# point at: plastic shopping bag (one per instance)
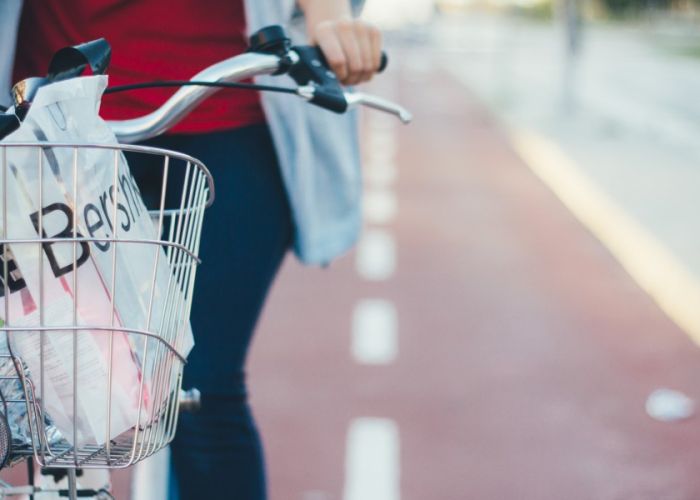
(84, 192)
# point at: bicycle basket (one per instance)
(95, 295)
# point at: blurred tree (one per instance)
(621, 8)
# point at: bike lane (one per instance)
(524, 355)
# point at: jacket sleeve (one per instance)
(318, 153)
(9, 21)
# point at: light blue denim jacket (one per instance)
(9, 18)
(318, 153)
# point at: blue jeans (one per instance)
(245, 236)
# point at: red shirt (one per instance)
(151, 40)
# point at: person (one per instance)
(262, 207)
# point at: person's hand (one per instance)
(353, 48)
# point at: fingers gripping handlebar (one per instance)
(317, 83)
(273, 40)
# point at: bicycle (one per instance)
(175, 244)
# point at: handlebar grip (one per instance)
(383, 63)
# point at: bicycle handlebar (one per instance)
(270, 54)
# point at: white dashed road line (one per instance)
(380, 206)
(374, 332)
(382, 144)
(372, 460)
(376, 255)
(380, 174)
(372, 451)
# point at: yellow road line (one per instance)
(646, 259)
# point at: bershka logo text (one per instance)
(98, 219)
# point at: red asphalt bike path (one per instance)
(526, 352)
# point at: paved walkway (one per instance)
(625, 111)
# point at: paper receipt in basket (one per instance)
(97, 375)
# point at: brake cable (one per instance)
(10, 123)
(183, 83)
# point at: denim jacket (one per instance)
(318, 153)
(9, 18)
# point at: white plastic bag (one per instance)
(78, 196)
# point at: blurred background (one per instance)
(520, 319)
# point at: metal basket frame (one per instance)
(177, 238)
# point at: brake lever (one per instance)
(380, 104)
(314, 94)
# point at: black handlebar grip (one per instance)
(383, 63)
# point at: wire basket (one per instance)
(98, 270)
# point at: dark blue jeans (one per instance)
(217, 452)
